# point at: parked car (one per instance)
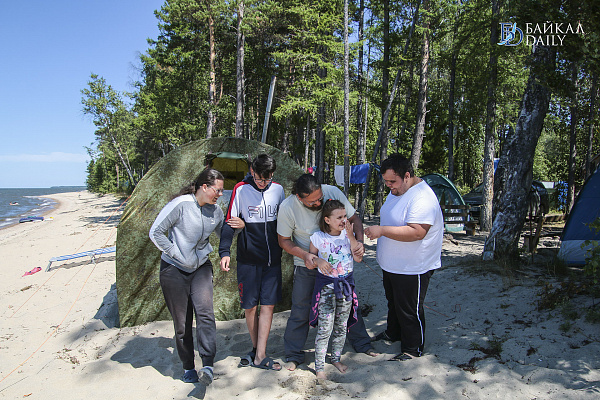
(475, 197)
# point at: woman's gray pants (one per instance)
(186, 294)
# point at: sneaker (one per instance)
(190, 376)
(206, 376)
(382, 336)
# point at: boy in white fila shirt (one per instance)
(253, 207)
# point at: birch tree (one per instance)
(415, 154)
(346, 103)
(490, 124)
(109, 113)
(239, 101)
(514, 173)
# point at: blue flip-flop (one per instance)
(247, 360)
(206, 376)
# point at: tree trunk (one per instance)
(573, 140)
(451, 128)
(360, 154)
(320, 140)
(123, 161)
(409, 92)
(590, 144)
(387, 111)
(239, 116)
(385, 81)
(346, 103)
(300, 138)
(256, 121)
(212, 85)
(514, 173)
(307, 143)
(490, 126)
(422, 101)
(285, 139)
(320, 144)
(451, 114)
(360, 121)
(313, 150)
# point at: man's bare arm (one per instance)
(359, 232)
(358, 249)
(406, 233)
(289, 246)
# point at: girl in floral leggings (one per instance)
(334, 299)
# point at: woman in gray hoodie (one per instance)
(181, 232)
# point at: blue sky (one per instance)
(49, 50)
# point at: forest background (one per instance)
(357, 80)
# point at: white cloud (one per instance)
(47, 158)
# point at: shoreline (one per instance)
(51, 209)
(45, 211)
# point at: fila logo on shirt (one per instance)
(259, 212)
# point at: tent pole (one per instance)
(268, 113)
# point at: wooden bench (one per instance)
(458, 214)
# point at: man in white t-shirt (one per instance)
(409, 247)
(297, 220)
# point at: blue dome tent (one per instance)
(577, 230)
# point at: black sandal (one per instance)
(401, 357)
(268, 363)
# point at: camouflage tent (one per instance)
(139, 294)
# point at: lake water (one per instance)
(29, 202)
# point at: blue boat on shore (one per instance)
(31, 219)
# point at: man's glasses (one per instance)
(312, 203)
(220, 191)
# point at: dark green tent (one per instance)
(139, 294)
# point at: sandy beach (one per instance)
(486, 337)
